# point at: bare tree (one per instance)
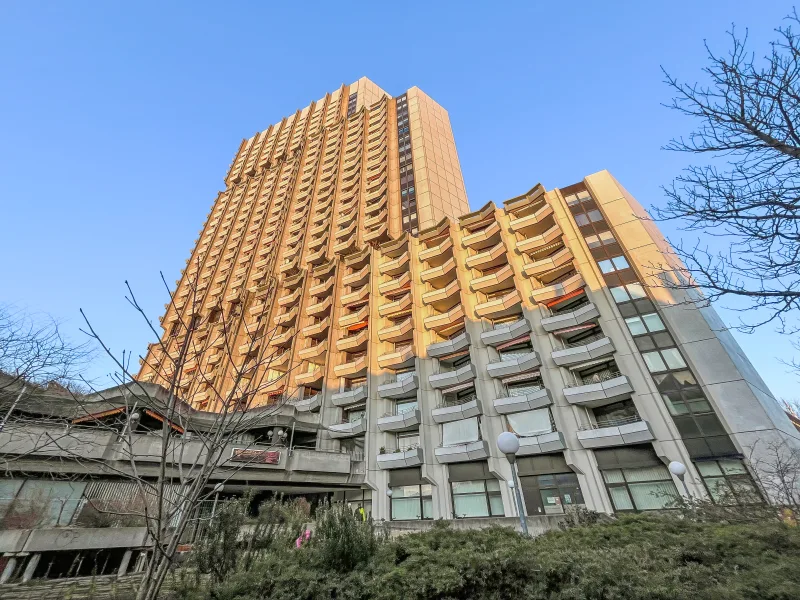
(776, 465)
(747, 191)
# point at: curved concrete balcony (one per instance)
(514, 365)
(451, 346)
(356, 395)
(289, 298)
(348, 429)
(352, 343)
(394, 285)
(506, 332)
(348, 319)
(347, 232)
(354, 368)
(398, 359)
(579, 316)
(372, 207)
(376, 234)
(315, 352)
(398, 306)
(291, 267)
(397, 333)
(355, 296)
(441, 251)
(317, 330)
(395, 266)
(357, 278)
(488, 236)
(529, 222)
(537, 242)
(317, 241)
(448, 379)
(505, 305)
(493, 281)
(623, 434)
(493, 257)
(439, 275)
(320, 308)
(402, 387)
(541, 444)
(316, 258)
(321, 288)
(583, 353)
(376, 219)
(558, 259)
(462, 452)
(400, 422)
(562, 288)
(287, 317)
(345, 246)
(318, 229)
(456, 412)
(290, 283)
(530, 401)
(444, 321)
(280, 361)
(310, 404)
(345, 217)
(477, 217)
(376, 191)
(310, 377)
(600, 393)
(400, 459)
(444, 298)
(283, 339)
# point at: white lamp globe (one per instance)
(677, 468)
(510, 483)
(389, 493)
(508, 443)
(219, 487)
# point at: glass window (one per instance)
(636, 291)
(582, 220)
(654, 362)
(653, 322)
(620, 263)
(606, 266)
(411, 502)
(460, 432)
(530, 422)
(594, 216)
(635, 325)
(572, 200)
(673, 358)
(647, 488)
(404, 407)
(593, 241)
(728, 482)
(620, 294)
(479, 498)
(606, 237)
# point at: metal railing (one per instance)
(447, 402)
(611, 422)
(595, 378)
(585, 340)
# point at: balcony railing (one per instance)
(611, 422)
(595, 378)
(446, 403)
(586, 340)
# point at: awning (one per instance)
(158, 417)
(521, 377)
(458, 388)
(359, 326)
(100, 415)
(514, 342)
(563, 298)
(573, 329)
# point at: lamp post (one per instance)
(389, 495)
(508, 444)
(217, 489)
(679, 470)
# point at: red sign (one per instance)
(261, 457)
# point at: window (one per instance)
(648, 323)
(728, 482)
(610, 265)
(479, 498)
(617, 413)
(411, 502)
(522, 349)
(556, 491)
(625, 293)
(647, 488)
(354, 416)
(407, 441)
(663, 360)
(460, 432)
(403, 407)
(524, 388)
(601, 239)
(531, 422)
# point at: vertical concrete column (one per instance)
(11, 566)
(33, 562)
(123, 566)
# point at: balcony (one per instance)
(537, 242)
(319, 308)
(397, 332)
(493, 257)
(348, 429)
(440, 275)
(462, 452)
(395, 285)
(309, 404)
(493, 281)
(584, 351)
(401, 421)
(514, 365)
(314, 352)
(357, 278)
(558, 259)
(286, 317)
(400, 459)
(310, 377)
(444, 298)
(529, 222)
(317, 330)
(345, 246)
(376, 234)
(506, 332)
(353, 318)
(290, 267)
(541, 444)
(287, 299)
(395, 266)
(398, 359)
(283, 339)
(354, 368)
(357, 295)
(488, 236)
(502, 306)
(530, 401)
(281, 360)
(356, 395)
(456, 377)
(405, 385)
(451, 346)
(562, 288)
(579, 316)
(290, 283)
(445, 413)
(321, 288)
(316, 242)
(623, 432)
(608, 388)
(445, 321)
(442, 249)
(351, 343)
(398, 306)
(318, 257)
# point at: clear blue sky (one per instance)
(118, 120)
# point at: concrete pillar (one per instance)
(11, 566)
(123, 566)
(33, 562)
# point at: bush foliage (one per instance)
(637, 557)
